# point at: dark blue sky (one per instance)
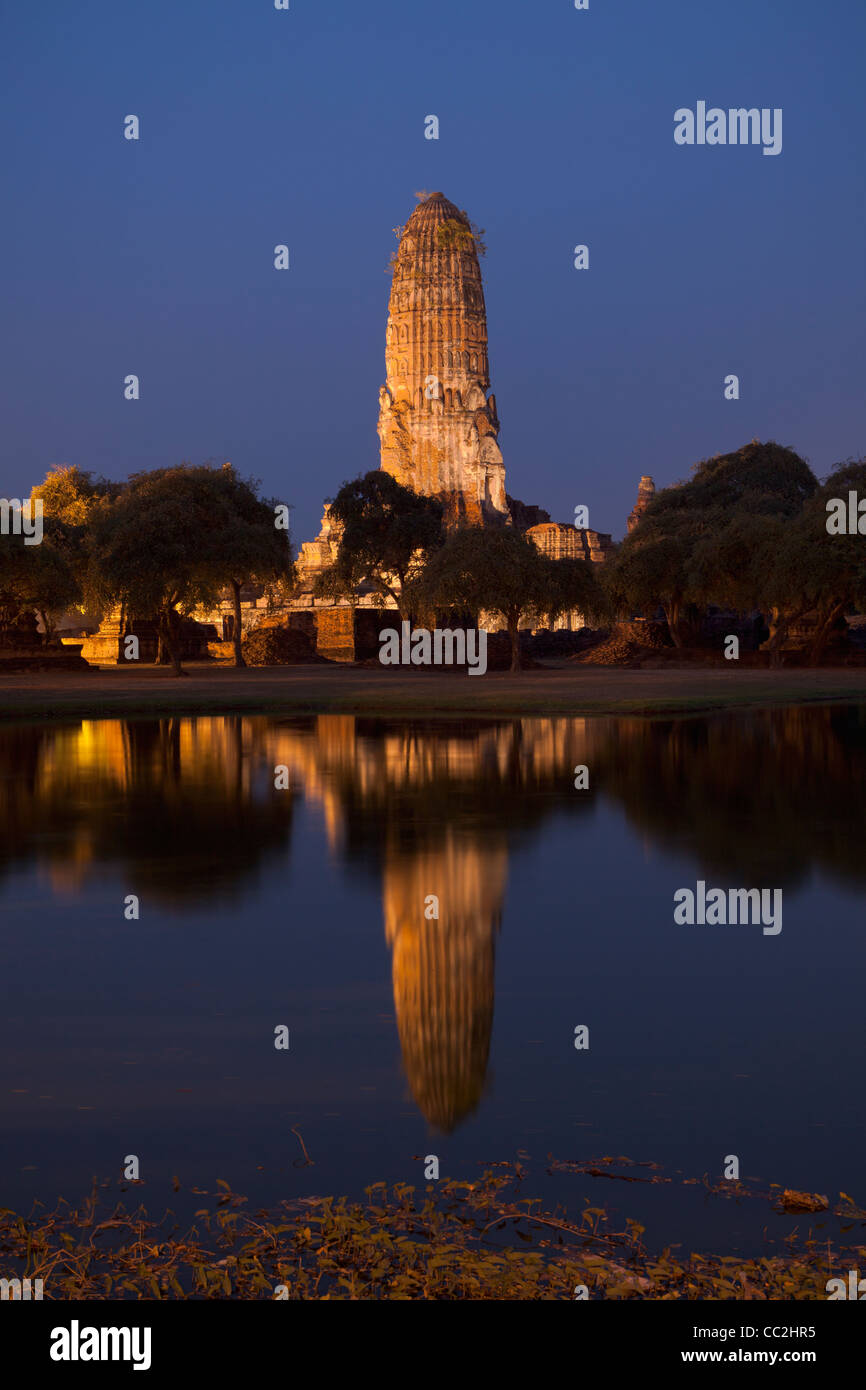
(307, 127)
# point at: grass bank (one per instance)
(574, 690)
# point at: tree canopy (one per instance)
(248, 545)
(499, 571)
(809, 569)
(72, 496)
(705, 541)
(385, 530)
(34, 578)
(175, 538)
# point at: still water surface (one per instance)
(455, 1037)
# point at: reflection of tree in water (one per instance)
(759, 799)
(395, 786)
(172, 802)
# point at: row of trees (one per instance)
(393, 544)
(158, 547)
(747, 532)
(175, 540)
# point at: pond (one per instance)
(469, 944)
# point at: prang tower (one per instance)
(437, 425)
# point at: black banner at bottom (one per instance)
(223, 1338)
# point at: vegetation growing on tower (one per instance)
(461, 236)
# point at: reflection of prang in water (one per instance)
(443, 969)
(432, 805)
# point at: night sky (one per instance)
(306, 127)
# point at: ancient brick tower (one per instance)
(645, 493)
(437, 426)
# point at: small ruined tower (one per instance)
(437, 426)
(645, 493)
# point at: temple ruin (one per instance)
(438, 421)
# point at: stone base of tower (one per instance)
(107, 646)
(447, 449)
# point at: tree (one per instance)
(246, 544)
(497, 570)
(152, 551)
(70, 495)
(702, 541)
(71, 502)
(650, 572)
(385, 531)
(175, 539)
(35, 578)
(572, 585)
(811, 570)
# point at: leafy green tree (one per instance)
(52, 583)
(499, 571)
(809, 570)
(702, 541)
(13, 566)
(385, 531)
(650, 571)
(246, 543)
(571, 585)
(72, 496)
(71, 502)
(175, 539)
(35, 578)
(152, 552)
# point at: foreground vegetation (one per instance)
(458, 1240)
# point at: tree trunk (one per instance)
(397, 596)
(690, 625)
(515, 642)
(819, 641)
(169, 638)
(236, 635)
(778, 625)
(672, 617)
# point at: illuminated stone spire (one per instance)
(437, 425)
(645, 493)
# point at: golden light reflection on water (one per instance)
(186, 812)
